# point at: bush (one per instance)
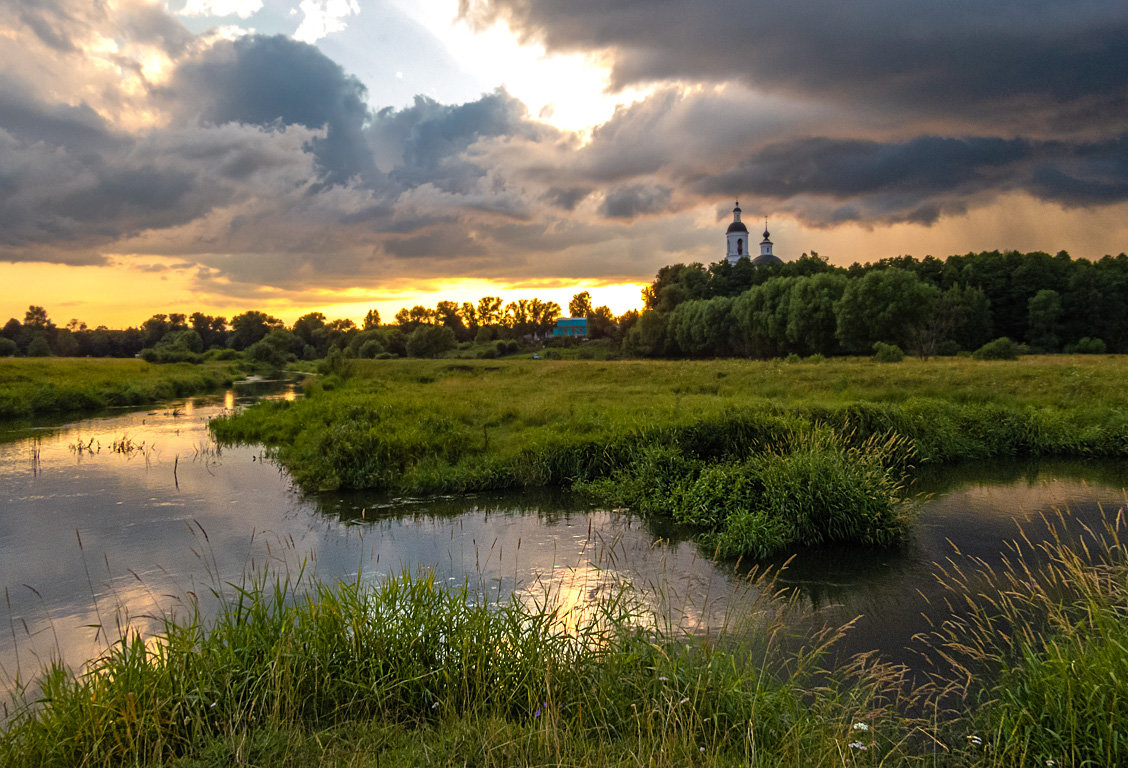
(1087, 346)
(39, 347)
(1001, 348)
(792, 358)
(8, 347)
(947, 348)
(430, 341)
(887, 353)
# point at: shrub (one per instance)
(1001, 348)
(430, 341)
(8, 347)
(792, 358)
(887, 353)
(39, 347)
(947, 348)
(1087, 346)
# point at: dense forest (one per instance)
(927, 306)
(930, 306)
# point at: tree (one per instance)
(154, 329)
(887, 305)
(490, 311)
(580, 305)
(371, 320)
(410, 319)
(36, 319)
(250, 327)
(1043, 323)
(811, 322)
(39, 346)
(310, 328)
(601, 323)
(430, 341)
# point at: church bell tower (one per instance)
(736, 238)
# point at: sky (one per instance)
(340, 155)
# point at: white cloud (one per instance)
(324, 17)
(241, 8)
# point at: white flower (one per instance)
(857, 745)
(975, 740)
(662, 678)
(861, 727)
(684, 701)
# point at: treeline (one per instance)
(417, 332)
(929, 306)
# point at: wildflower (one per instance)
(861, 727)
(701, 749)
(1050, 762)
(435, 705)
(975, 740)
(684, 701)
(857, 745)
(662, 678)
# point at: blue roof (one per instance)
(571, 322)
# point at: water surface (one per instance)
(111, 521)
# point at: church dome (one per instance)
(736, 226)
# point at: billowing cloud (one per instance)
(265, 165)
(1060, 63)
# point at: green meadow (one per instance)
(35, 386)
(1029, 670)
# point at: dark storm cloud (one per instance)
(834, 180)
(846, 168)
(1062, 62)
(427, 142)
(267, 81)
(635, 200)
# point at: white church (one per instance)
(737, 240)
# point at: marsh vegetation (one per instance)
(755, 456)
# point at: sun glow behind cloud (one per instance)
(567, 91)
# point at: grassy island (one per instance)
(37, 386)
(754, 456)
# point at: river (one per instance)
(112, 521)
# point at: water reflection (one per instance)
(109, 522)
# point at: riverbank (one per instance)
(409, 672)
(755, 456)
(37, 386)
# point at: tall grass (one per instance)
(1030, 670)
(1038, 654)
(287, 665)
(30, 387)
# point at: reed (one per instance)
(1035, 654)
(294, 673)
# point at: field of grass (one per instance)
(1031, 672)
(35, 386)
(755, 456)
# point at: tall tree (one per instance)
(580, 305)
